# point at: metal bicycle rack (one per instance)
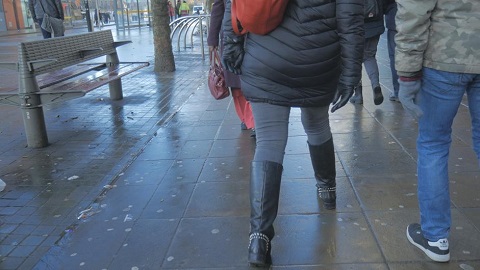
(185, 28)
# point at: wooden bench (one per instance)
(63, 68)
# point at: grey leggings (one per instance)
(271, 127)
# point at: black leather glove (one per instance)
(232, 55)
(342, 95)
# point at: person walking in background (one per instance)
(106, 17)
(95, 17)
(177, 8)
(242, 106)
(171, 11)
(54, 9)
(184, 9)
(437, 58)
(311, 60)
(390, 12)
(374, 27)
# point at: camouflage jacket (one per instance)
(439, 34)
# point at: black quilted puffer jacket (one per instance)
(300, 63)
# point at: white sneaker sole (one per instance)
(431, 255)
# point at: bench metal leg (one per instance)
(32, 111)
(115, 87)
(35, 128)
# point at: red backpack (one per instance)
(257, 16)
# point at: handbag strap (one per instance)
(215, 58)
(212, 57)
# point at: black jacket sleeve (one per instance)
(232, 55)
(350, 27)
(227, 18)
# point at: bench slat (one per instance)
(90, 51)
(75, 88)
(33, 65)
(58, 76)
(121, 43)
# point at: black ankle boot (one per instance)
(259, 250)
(328, 196)
(264, 193)
(323, 161)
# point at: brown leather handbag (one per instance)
(216, 78)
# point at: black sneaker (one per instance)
(377, 95)
(393, 97)
(437, 251)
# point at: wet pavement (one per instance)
(160, 180)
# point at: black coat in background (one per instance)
(390, 12)
(300, 63)
(377, 27)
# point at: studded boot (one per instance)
(323, 161)
(264, 194)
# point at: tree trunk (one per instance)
(164, 60)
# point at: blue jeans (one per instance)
(391, 55)
(440, 99)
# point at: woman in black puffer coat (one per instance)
(313, 59)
